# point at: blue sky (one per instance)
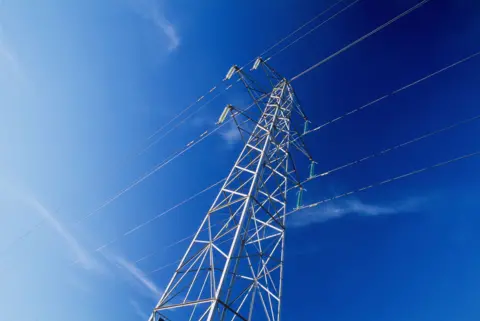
(83, 84)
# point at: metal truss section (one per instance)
(232, 269)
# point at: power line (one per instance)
(151, 172)
(27, 233)
(356, 162)
(157, 140)
(202, 137)
(241, 68)
(169, 246)
(390, 180)
(132, 230)
(172, 208)
(143, 258)
(138, 181)
(357, 190)
(155, 169)
(416, 82)
(397, 90)
(184, 110)
(35, 227)
(23, 236)
(240, 198)
(371, 33)
(175, 243)
(168, 160)
(385, 151)
(215, 87)
(164, 266)
(161, 165)
(152, 253)
(437, 72)
(312, 30)
(299, 28)
(177, 154)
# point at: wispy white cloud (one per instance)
(81, 255)
(168, 29)
(230, 132)
(153, 11)
(231, 135)
(138, 311)
(355, 207)
(138, 276)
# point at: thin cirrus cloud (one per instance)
(343, 208)
(81, 255)
(152, 11)
(85, 260)
(167, 28)
(138, 276)
(231, 135)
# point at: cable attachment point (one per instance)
(305, 126)
(224, 114)
(312, 169)
(257, 63)
(231, 71)
(299, 197)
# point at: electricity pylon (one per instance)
(233, 268)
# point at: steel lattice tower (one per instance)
(233, 268)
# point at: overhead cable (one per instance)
(357, 109)
(381, 153)
(390, 180)
(312, 30)
(23, 236)
(326, 200)
(371, 33)
(185, 110)
(416, 82)
(158, 139)
(172, 208)
(168, 160)
(387, 150)
(216, 87)
(165, 266)
(151, 172)
(132, 230)
(143, 258)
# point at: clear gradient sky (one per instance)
(83, 84)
